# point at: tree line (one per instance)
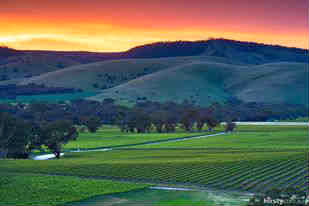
(24, 127)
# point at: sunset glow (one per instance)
(118, 25)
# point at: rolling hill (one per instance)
(26, 65)
(241, 52)
(108, 74)
(203, 71)
(204, 83)
(16, 65)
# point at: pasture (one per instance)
(110, 136)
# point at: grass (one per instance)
(254, 158)
(299, 119)
(108, 136)
(274, 137)
(26, 190)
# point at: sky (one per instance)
(118, 25)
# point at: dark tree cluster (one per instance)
(18, 137)
(167, 49)
(24, 127)
(164, 117)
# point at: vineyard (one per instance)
(241, 161)
(26, 190)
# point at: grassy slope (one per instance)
(273, 83)
(26, 190)
(122, 70)
(17, 67)
(198, 81)
(206, 82)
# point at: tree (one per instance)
(158, 118)
(15, 137)
(92, 123)
(7, 129)
(20, 145)
(57, 133)
(39, 111)
(142, 121)
(122, 120)
(171, 121)
(201, 119)
(230, 126)
(211, 123)
(188, 119)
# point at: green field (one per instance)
(254, 159)
(108, 136)
(26, 190)
(262, 137)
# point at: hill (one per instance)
(26, 65)
(204, 83)
(241, 52)
(201, 71)
(32, 63)
(108, 74)
(16, 65)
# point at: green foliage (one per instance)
(188, 119)
(55, 134)
(211, 123)
(18, 137)
(15, 136)
(230, 126)
(92, 123)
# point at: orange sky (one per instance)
(117, 25)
